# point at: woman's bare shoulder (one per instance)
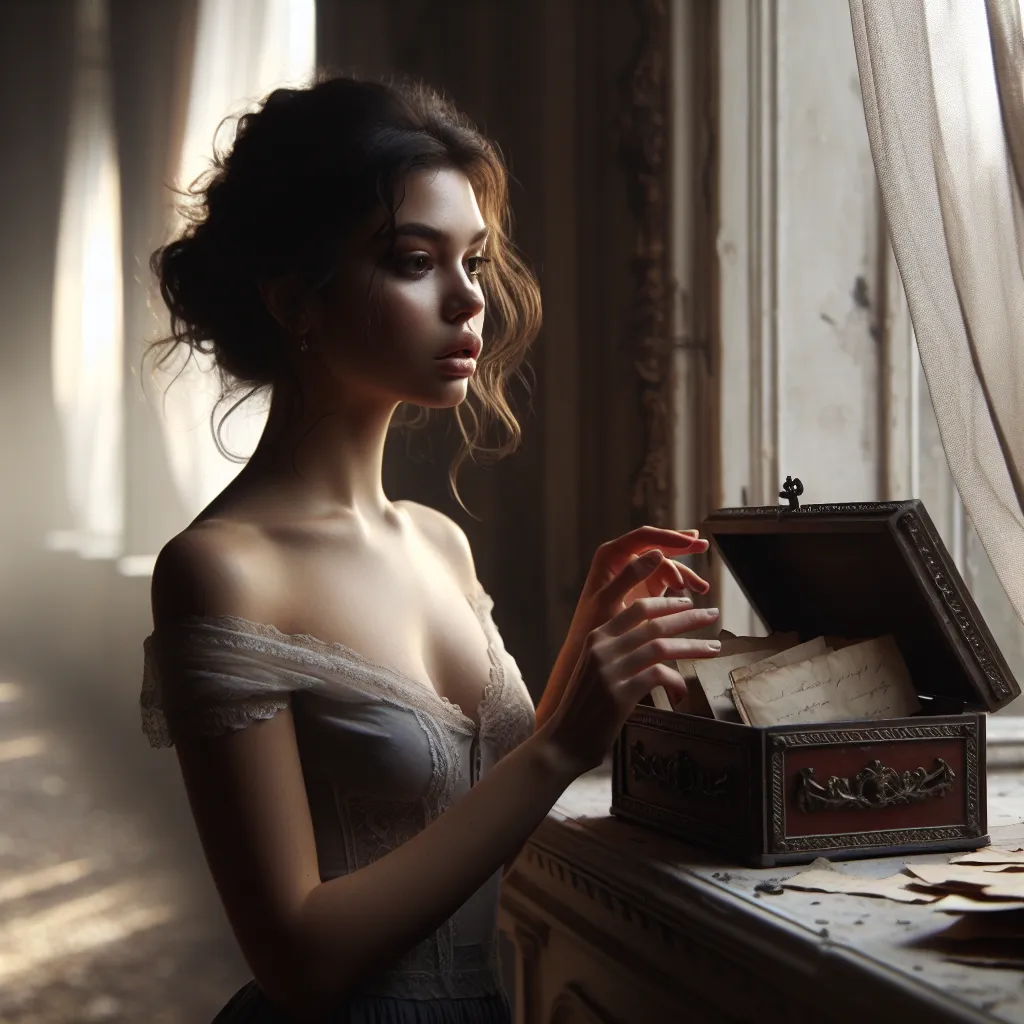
(215, 567)
(447, 537)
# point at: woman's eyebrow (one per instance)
(434, 234)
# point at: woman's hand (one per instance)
(601, 598)
(615, 582)
(620, 663)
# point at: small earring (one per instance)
(303, 343)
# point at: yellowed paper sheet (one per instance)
(713, 677)
(990, 855)
(865, 681)
(660, 697)
(696, 703)
(1002, 884)
(790, 656)
(891, 888)
(957, 904)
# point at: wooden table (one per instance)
(614, 923)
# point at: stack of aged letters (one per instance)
(776, 680)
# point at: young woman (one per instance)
(359, 750)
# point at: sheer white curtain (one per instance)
(87, 338)
(941, 82)
(243, 50)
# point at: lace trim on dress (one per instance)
(212, 719)
(219, 701)
(507, 722)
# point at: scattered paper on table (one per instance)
(1006, 925)
(891, 888)
(957, 904)
(991, 884)
(991, 855)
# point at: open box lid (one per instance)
(865, 570)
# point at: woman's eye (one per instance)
(476, 265)
(415, 264)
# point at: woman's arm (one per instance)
(309, 942)
(367, 919)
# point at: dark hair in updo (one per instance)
(303, 171)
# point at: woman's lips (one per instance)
(469, 347)
(457, 366)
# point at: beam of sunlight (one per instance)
(87, 334)
(24, 746)
(113, 914)
(31, 882)
(9, 692)
(242, 52)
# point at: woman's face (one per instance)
(404, 318)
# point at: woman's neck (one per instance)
(326, 458)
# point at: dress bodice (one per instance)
(382, 756)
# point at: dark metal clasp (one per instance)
(791, 490)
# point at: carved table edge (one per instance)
(705, 912)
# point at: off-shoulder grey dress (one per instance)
(382, 757)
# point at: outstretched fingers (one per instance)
(660, 649)
(676, 542)
(648, 609)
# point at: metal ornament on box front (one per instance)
(873, 787)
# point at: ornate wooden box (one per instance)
(787, 794)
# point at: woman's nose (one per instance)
(463, 302)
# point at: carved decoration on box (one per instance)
(884, 734)
(850, 509)
(954, 601)
(800, 844)
(680, 773)
(863, 840)
(971, 755)
(875, 786)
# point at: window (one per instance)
(243, 50)
(818, 374)
(87, 307)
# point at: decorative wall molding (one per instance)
(644, 150)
